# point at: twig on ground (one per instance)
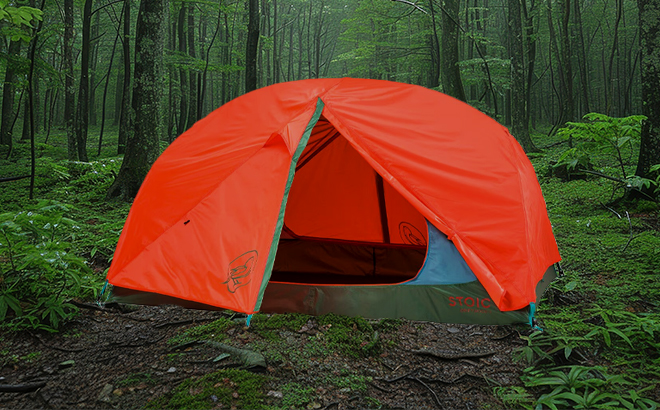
(374, 385)
(611, 210)
(21, 388)
(450, 355)
(435, 396)
(396, 379)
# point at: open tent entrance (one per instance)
(343, 223)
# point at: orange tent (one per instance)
(338, 185)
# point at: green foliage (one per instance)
(514, 397)
(136, 378)
(373, 403)
(296, 396)
(210, 331)
(350, 336)
(291, 321)
(19, 19)
(631, 336)
(582, 387)
(389, 325)
(605, 142)
(38, 270)
(355, 382)
(230, 387)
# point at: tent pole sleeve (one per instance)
(380, 188)
(280, 219)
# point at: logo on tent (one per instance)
(240, 269)
(411, 235)
(471, 305)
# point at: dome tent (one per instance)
(352, 196)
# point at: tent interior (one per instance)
(343, 223)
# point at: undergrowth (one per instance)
(600, 347)
(57, 246)
(230, 387)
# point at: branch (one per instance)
(13, 178)
(410, 3)
(600, 174)
(612, 210)
(21, 388)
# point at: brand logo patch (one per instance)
(470, 304)
(240, 270)
(411, 235)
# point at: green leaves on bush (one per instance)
(630, 336)
(605, 142)
(38, 271)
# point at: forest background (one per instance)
(94, 90)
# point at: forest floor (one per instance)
(136, 357)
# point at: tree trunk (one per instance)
(519, 119)
(183, 75)
(8, 93)
(649, 37)
(142, 147)
(531, 31)
(252, 46)
(276, 48)
(568, 106)
(583, 62)
(69, 91)
(33, 47)
(609, 85)
(451, 72)
(434, 47)
(125, 116)
(119, 87)
(93, 59)
(25, 132)
(192, 74)
(105, 91)
(82, 114)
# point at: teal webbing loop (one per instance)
(247, 321)
(532, 319)
(98, 302)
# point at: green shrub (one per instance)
(39, 272)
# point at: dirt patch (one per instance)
(114, 359)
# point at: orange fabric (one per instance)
(335, 196)
(452, 164)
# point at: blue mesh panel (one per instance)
(443, 264)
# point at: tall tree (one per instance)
(93, 60)
(519, 124)
(584, 81)
(193, 75)
(125, 119)
(82, 114)
(183, 75)
(568, 110)
(252, 46)
(69, 91)
(143, 146)
(451, 72)
(434, 46)
(8, 94)
(649, 152)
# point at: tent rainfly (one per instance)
(352, 196)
